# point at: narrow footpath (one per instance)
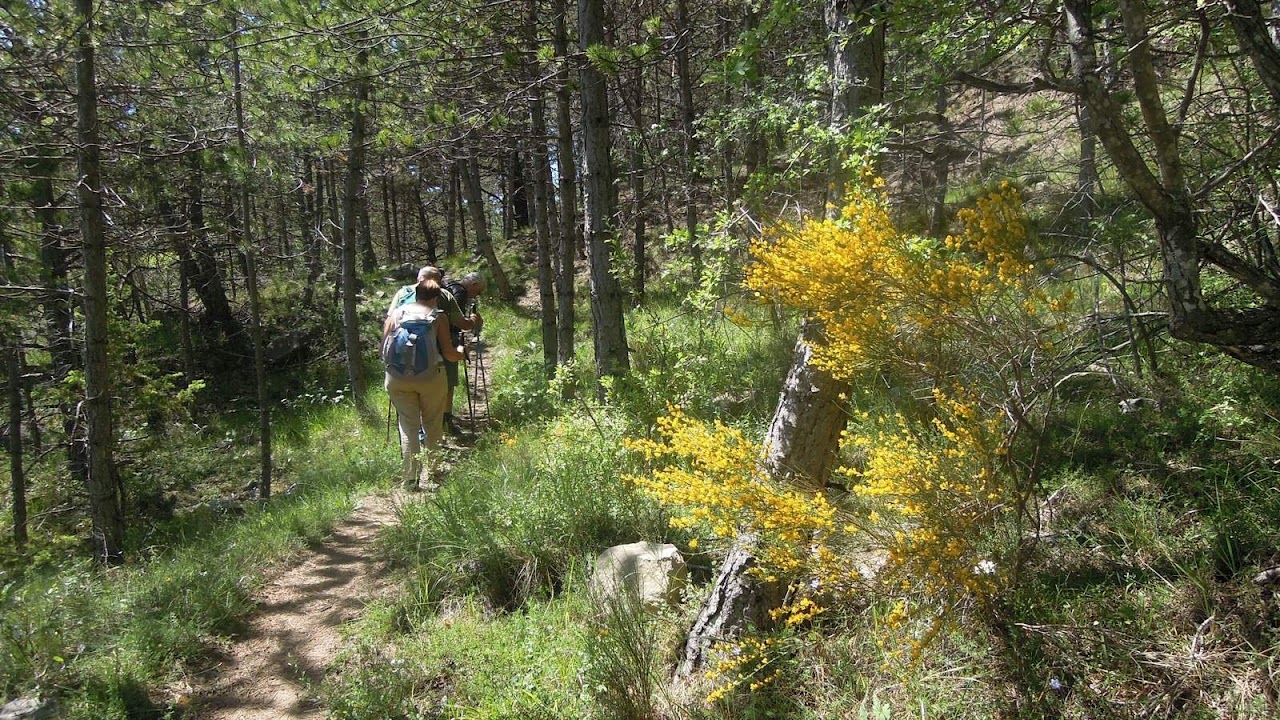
(273, 671)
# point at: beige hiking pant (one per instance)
(419, 402)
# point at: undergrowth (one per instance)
(105, 643)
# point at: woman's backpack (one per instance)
(410, 349)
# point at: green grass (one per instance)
(517, 515)
(467, 663)
(106, 642)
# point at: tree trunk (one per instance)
(207, 274)
(637, 191)
(1251, 32)
(17, 475)
(1249, 334)
(282, 227)
(260, 375)
(350, 219)
(398, 229)
(1087, 179)
(251, 285)
(684, 34)
(368, 259)
(520, 216)
(941, 165)
(392, 257)
(540, 172)
(855, 58)
(484, 246)
(106, 497)
(312, 201)
(450, 210)
(424, 226)
(804, 435)
(606, 294)
(568, 235)
(59, 315)
(738, 600)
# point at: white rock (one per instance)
(27, 709)
(655, 574)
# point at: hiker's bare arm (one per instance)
(450, 353)
(388, 325)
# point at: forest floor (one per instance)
(276, 666)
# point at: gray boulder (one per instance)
(653, 573)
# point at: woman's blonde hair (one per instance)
(427, 289)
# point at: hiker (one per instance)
(454, 298)
(416, 342)
(463, 294)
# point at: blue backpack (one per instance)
(410, 349)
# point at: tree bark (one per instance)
(313, 202)
(350, 219)
(368, 259)
(606, 293)
(260, 375)
(251, 285)
(1087, 179)
(855, 58)
(684, 34)
(568, 235)
(106, 497)
(1251, 32)
(540, 171)
(17, 474)
(520, 215)
(942, 156)
(738, 600)
(1249, 334)
(475, 206)
(206, 274)
(386, 217)
(637, 163)
(59, 315)
(424, 226)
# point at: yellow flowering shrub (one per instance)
(937, 492)
(709, 475)
(881, 294)
(962, 320)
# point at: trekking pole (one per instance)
(483, 379)
(482, 375)
(478, 372)
(471, 405)
(388, 418)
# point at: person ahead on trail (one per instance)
(454, 300)
(463, 294)
(416, 342)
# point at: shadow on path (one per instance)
(272, 670)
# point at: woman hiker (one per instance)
(420, 392)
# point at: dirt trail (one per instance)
(273, 671)
(295, 634)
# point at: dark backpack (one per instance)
(410, 349)
(459, 293)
